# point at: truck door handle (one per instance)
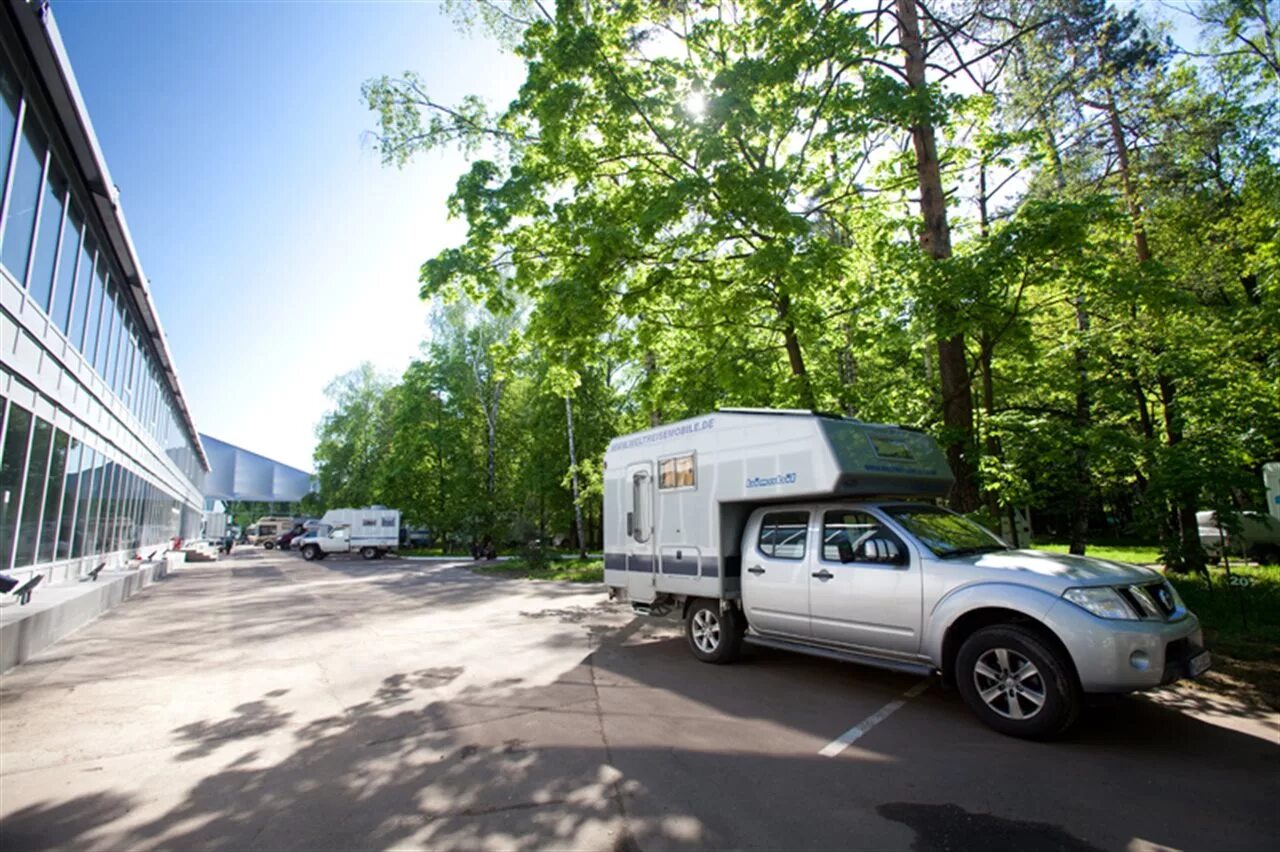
(755, 569)
(824, 574)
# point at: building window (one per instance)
(12, 460)
(676, 472)
(107, 325)
(24, 195)
(70, 494)
(84, 499)
(64, 288)
(84, 295)
(53, 496)
(782, 534)
(55, 192)
(33, 496)
(10, 94)
(92, 312)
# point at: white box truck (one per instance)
(372, 532)
(806, 532)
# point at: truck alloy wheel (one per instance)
(1017, 682)
(714, 635)
(1009, 683)
(310, 552)
(369, 552)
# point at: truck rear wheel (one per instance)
(268, 545)
(1017, 683)
(715, 635)
(369, 553)
(311, 552)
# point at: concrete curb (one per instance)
(57, 611)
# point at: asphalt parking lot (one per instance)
(263, 702)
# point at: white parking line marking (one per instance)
(851, 736)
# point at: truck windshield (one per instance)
(945, 533)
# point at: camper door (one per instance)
(640, 540)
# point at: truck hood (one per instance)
(1078, 570)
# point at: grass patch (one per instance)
(1239, 621)
(432, 551)
(573, 569)
(1142, 554)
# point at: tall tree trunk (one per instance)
(1190, 551)
(573, 468)
(1131, 199)
(650, 370)
(1082, 421)
(992, 443)
(935, 240)
(795, 358)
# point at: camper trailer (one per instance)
(820, 534)
(372, 532)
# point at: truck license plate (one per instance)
(1199, 663)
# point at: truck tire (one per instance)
(268, 545)
(368, 553)
(311, 552)
(1017, 683)
(715, 635)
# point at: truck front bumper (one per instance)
(1115, 655)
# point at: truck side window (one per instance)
(782, 534)
(855, 528)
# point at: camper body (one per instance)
(372, 532)
(269, 528)
(814, 533)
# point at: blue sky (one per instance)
(281, 253)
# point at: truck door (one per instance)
(775, 572)
(640, 539)
(873, 600)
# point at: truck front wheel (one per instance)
(1017, 683)
(715, 635)
(311, 552)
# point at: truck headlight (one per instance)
(1102, 601)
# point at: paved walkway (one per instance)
(267, 703)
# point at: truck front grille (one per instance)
(1152, 600)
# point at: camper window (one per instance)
(782, 534)
(676, 472)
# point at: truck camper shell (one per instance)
(677, 496)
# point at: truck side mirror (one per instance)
(845, 551)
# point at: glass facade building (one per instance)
(99, 457)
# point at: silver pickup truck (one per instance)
(1022, 634)
(775, 527)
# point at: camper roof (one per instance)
(752, 454)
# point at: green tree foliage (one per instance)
(1041, 231)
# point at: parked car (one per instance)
(286, 539)
(1258, 536)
